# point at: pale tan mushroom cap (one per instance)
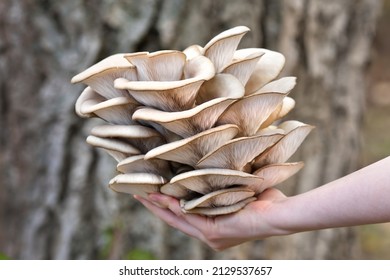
(224, 197)
(190, 150)
(188, 122)
(221, 48)
(137, 183)
(204, 181)
(223, 210)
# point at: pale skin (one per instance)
(362, 197)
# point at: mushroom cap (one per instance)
(204, 181)
(193, 51)
(124, 131)
(267, 69)
(116, 61)
(190, 150)
(199, 67)
(137, 183)
(236, 153)
(166, 65)
(118, 149)
(177, 191)
(281, 110)
(117, 110)
(189, 122)
(221, 48)
(87, 98)
(142, 137)
(100, 77)
(275, 174)
(222, 85)
(224, 197)
(296, 132)
(243, 64)
(167, 96)
(251, 111)
(223, 210)
(138, 164)
(282, 85)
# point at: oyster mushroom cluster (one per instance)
(203, 125)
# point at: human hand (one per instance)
(256, 220)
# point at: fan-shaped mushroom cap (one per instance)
(220, 49)
(177, 191)
(199, 67)
(117, 110)
(209, 180)
(282, 85)
(251, 111)
(100, 77)
(224, 197)
(137, 183)
(118, 149)
(87, 98)
(190, 150)
(243, 64)
(282, 109)
(268, 68)
(275, 174)
(189, 122)
(222, 85)
(142, 137)
(138, 164)
(158, 66)
(222, 210)
(193, 51)
(236, 153)
(286, 146)
(167, 96)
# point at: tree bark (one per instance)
(54, 200)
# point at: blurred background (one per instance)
(54, 200)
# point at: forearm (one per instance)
(362, 197)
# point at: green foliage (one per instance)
(139, 254)
(4, 256)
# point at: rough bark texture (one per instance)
(54, 201)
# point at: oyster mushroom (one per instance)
(296, 132)
(251, 111)
(222, 85)
(224, 197)
(171, 94)
(202, 125)
(118, 149)
(117, 110)
(243, 64)
(158, 66)
(220, 49)
(267, 69)
(190, 150)
(274, 174)
(137, 183)
(144, 138)
(100, 77)
(221, 210)
(138, 164)
(189, 122)
(236, 153)
(204, 181)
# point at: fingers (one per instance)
(168, 214)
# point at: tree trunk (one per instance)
(54, 200)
